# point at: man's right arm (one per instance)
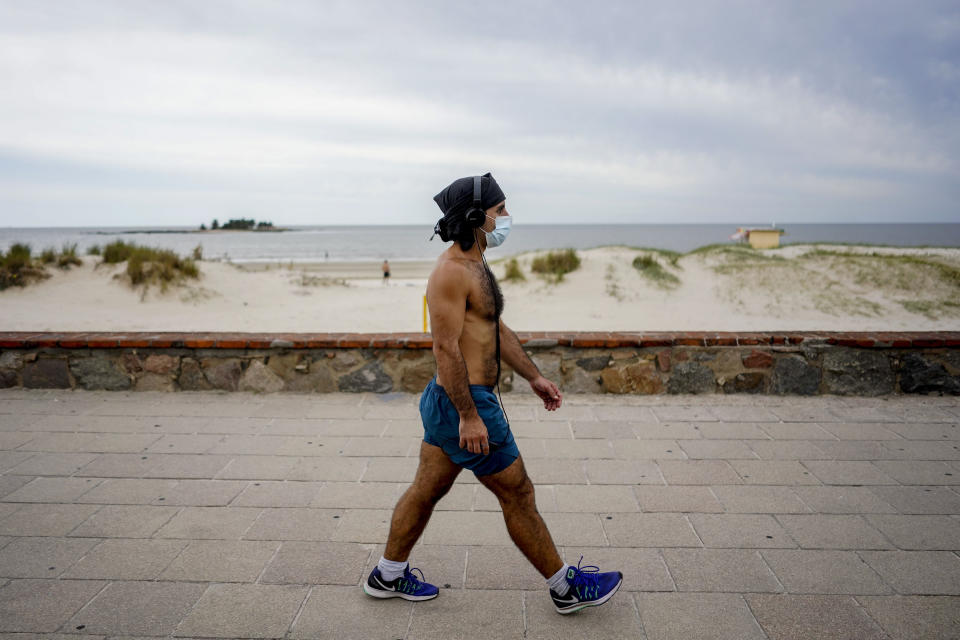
(447, 301)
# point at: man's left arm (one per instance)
(511, 351)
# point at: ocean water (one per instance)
(409, 242)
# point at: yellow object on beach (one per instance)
(764, 238)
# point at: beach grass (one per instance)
(651, 269)
(553, 265)
(68, 257)
(513, 272)
(148, 266)
(19, 267)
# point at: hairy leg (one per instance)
(435, 476)
(527, 529)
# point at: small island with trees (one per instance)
(241, 224)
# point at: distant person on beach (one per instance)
(464, 425)
(386, 272)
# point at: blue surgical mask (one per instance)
(496, 237)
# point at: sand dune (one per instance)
(820, 287)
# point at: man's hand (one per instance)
(473, 435)
(548, 392)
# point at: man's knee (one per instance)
(431, 489)
(514, 489)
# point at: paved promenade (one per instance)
(201, 515)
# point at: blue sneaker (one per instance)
(406, 586)
(588, 588)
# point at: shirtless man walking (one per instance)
(464, 425)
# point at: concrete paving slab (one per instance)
(642, 450)
(718, 449)
(706, 472)
(842, 499)
(918, 531)
(835, 572)
(912, 617)
(720, 570)
(127, 490)
(300, 562)
(10, 483)
(917, 572)
(667, 431)
(126, 559)
(759, 499)
(796, 431)
(52, 490)
(43, 606)
(279, 523)
(923, 450)
(186, 465)
(355, 495)
(847, 472)
(243, 611)
(860, 431)
(364, 525)
(920, 500)
(501, 568)
(792, 617)
(616, 618)
(596, 497)
(254, 467)
(740, 531)
(220, 561)
(732, 431)
(616, 472)
(817, 531)
(325, 468)
(124, 521)
(346, 613)
(200, 493)
(787, 449)
(282, 493)
(140, 608)
(678, 498)
(697, 616)
(46, 557)
(43, 464)
(600, 430)
(854, 449)
(469, 615)
(214, 523)
(919, 472)
(35, 519)
(777, 472)
(389, 469)
(649, 530)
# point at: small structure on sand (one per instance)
(759, 238)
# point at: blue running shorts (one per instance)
(441, 428)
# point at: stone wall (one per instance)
(863, 364)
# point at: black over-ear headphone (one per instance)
(475, 216)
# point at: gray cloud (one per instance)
(303, 112)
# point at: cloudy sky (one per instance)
(352, 112)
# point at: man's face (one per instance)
(493, 213)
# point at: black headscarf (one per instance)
(456, 200)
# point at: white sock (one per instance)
(391, 570)
(558, 581)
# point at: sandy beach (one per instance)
(822, 287)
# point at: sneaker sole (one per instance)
(379, 593)
(590, 603)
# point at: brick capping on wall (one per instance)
(864, 363)
(576, 339)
